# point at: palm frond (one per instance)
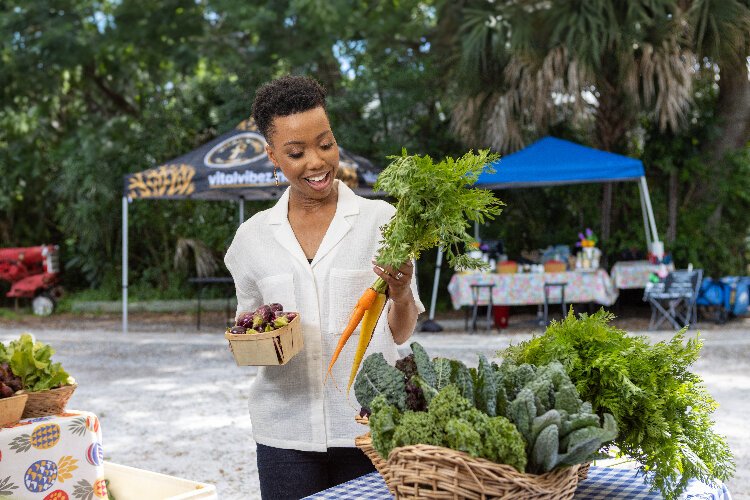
(206, 262)
(720, 28)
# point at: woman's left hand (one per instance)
(398, 280)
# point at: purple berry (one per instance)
(276, 307)
(238, 330)
(291, 316)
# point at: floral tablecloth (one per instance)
(528, 288)
(635, 273)
(53, 458)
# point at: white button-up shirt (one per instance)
(290, 407)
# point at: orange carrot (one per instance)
(369, 322)
(363, 304)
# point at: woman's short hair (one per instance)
(283, 97)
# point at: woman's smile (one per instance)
(320, 182)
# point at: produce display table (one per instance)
(520, 289)
(634, 273)
(56, 457)
(603, 483)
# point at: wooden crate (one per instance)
(11, 409)
(269, 348)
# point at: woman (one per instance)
(312, 252)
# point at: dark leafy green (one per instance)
(485, 397)
(424, 365)
(378, 377)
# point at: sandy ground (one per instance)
(171, 399)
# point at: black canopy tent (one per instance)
(233, 166)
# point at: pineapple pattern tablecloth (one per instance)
(53, 458)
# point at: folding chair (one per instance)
(673, 299)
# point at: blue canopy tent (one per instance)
(550, 162)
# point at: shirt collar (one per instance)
(345, 205)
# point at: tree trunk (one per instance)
(733, 111)
(606, 211)
(673, 203)
(614, 116)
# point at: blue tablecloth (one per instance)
(603, 483)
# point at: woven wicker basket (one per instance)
(51, 402)
(583, 472)
(424, 471)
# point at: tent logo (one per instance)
(236, 151)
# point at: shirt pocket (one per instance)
(346, 287)
(279, 288)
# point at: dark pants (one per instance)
(295, 474)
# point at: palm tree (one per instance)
(597, 64)
(721, 34)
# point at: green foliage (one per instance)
(93, 90)
(31, 362)
(434, 206)
(661, 408)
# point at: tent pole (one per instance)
(242, 209)
(650, 209)
(124, 264)
(431, 325)
(645, 217)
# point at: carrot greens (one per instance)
(435, 206)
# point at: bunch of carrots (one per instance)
(435, 206)
(368, 309)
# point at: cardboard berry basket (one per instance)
(272, 348)
(11, 409)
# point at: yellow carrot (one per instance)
(369, 322)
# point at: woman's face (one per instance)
(303, 147)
